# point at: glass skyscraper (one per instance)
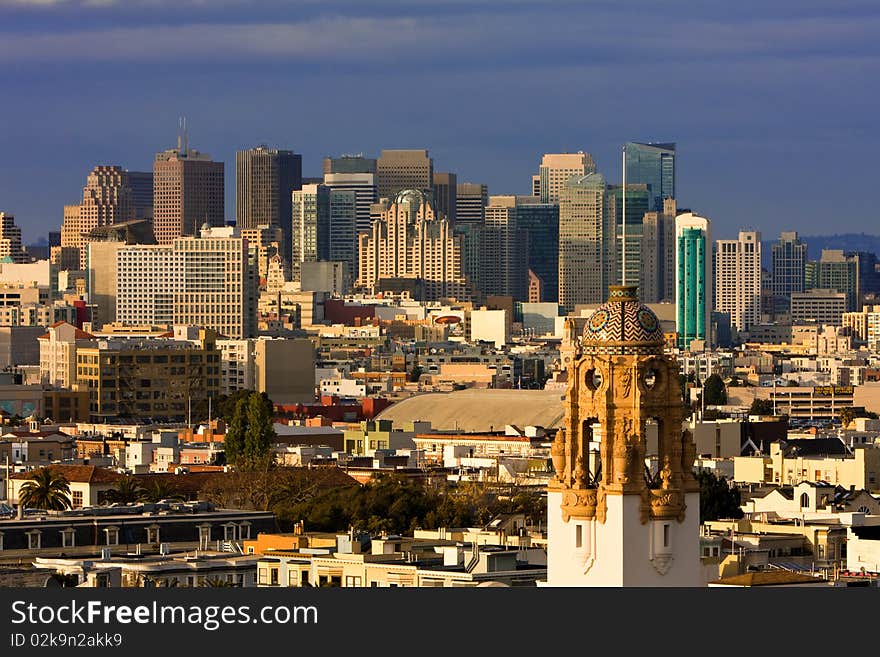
(692, 278)
(654, 165)
(789, 258)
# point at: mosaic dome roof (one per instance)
(623, 325)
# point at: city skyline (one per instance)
(742, 110)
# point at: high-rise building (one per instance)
(658, 272)
(208, 281)
(397, 170)
(505, 256)
(540, 224)
(586, 241)
(363, 185)
(342, 232)
(141, 183)
(472, 235)
(264, 179)
(11, 249)
(693, 279)
(445, 195)
(411, 248)
(737, 265)
(835, 270)
(557, 168)
(654, 165)
(637, 204)
(789, 259)
(471, 200)
(265, 242)
(311, 226)
(350, 164)
(188, 192)
(106, 200)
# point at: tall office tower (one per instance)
(363, 185)
(638, 202)
(350, 164)
(188, 192)
(737, 286)
(540, 223)
(472, 234)
(311, 227)
(471, 200)
(505, 256)
(264, 180)
(693, 279)
(557, 168)
(342, 232)
(141, 183)
(586, 241)
(835, 270)
(397, 170)
(107, 200)
(868, 278)
(654, 165)
(657, 277)
(208, 281)
(412, 249)
(789, 259)
(11, 249)
(445, 195)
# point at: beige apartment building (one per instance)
(738, 279)
(11, 248)
(188, 192)
(410, 244)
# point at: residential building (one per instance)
(693, 279)
(265, 179)
(188, 192)
(264, 242)
(557, 168)
(58, 354)
(737, 265)
(654, 165)
(789, 259)
(11, 249)
(397, 170)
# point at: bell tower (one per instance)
(611, 521)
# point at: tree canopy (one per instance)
(718, 500)
(250, 433)
(46, 489)
(714, 392)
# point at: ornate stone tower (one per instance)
(611, 521)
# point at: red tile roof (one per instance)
(85, 474)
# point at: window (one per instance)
(273, 576)
(578, 536)
(665, 535)
(34, 539)
(68, 537)
(152, 534)
(262, 577)
(77, 499)
(352, 580)
(111, 536)
(805, 500)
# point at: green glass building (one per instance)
(692, 280)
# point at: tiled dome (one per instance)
(622, 325)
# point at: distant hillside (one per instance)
(815, 244)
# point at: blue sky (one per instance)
(772, 104)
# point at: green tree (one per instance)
(714, 393)
(846, 415)
(718, 499)
(233, 441)
(260, 432)
(46, 489)
(761, 407)
(160, 489)
(126, 491)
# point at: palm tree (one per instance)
(159, 490)
(127, 490)
(46, 489)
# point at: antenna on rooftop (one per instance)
(179, 133)
(623, 212)
(185, 137)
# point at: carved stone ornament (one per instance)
(662, 563)
(626, 381)
(557, 453)
(667, 504)
(580, 504)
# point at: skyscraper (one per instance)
(106, 200)
(737, 287)
(311, 226)
(654, 165)
(540, 224)
(445, 195)
(835, 270)
(557, 168)
(188, 192)
(638, 202)
(363, 185)
(658, 272)
(586, 241)
(11, 249)
(342, 235)
(471, 200)
(789, 258)
(505, 258)
(693, 278)
(397, 170)
(410, 248)
(264, 180)
(349, 164)
(141, 183)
